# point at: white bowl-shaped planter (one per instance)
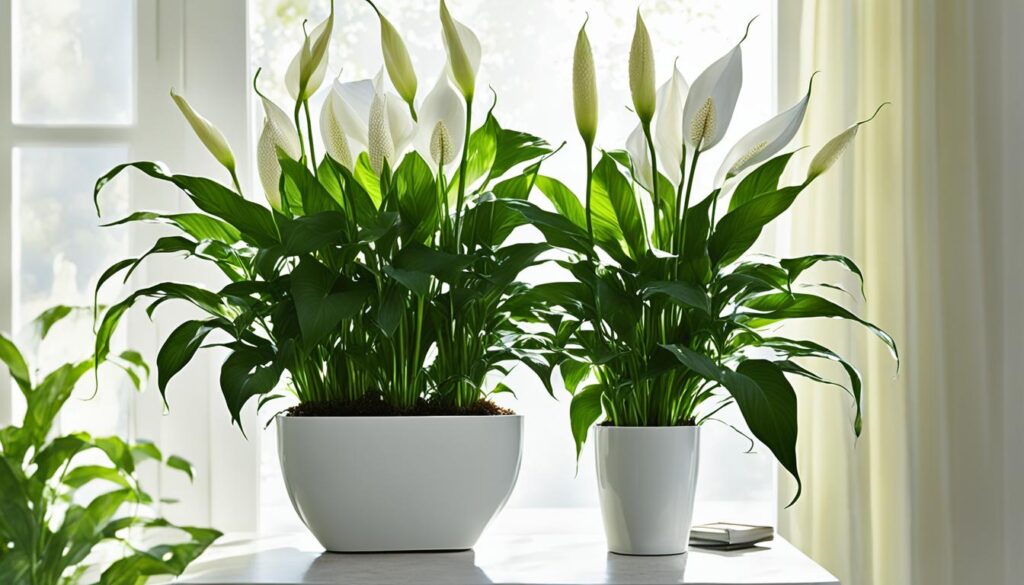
(646, 478)
(399, 483)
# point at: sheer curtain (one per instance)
(929, 204)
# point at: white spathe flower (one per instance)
(641, 71)
(712, 100)
(350, 104)
(278, 135)
(318, 70)
(763, 142)
(396, 58)
(390, 128)
(208, 134)
(442, 124)
(463, 48)
(332, 131)
(584, 87)
(668, 134)
(833, 149)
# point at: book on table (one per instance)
(728, 536)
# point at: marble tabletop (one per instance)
(523, 546)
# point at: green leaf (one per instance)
(201, 298)
(419, 258)
(796, 266)
(301, 185)
(304, 235)
(16, 521)
(764, 179)
(573, 373)
(584, 410)
(50, 317)
(179, 348)
(182, 465)
(247, 372)
(252, 220)
(417, 197)
(118, 452)
(11, 356)
(197, 225)
(764, 396)
(682, 292)
(805, 348)
(775, 307)
(367, 179)
(52, 457)
(616, 214)
(768, 405)
(557, 230)
(143, 450)
(322, 300)
(564, 200)
(737, 231)
(80, 476)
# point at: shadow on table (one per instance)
(409, 567)
(633, 569)
(740, 552)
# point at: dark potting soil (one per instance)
(374, 406)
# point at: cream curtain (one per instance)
(930, 204)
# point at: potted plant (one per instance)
(73, 509)
(378, 288)
(668, 316)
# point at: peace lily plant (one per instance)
(376, 282)
(380, 271)
(669, 318)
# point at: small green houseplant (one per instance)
(68, 497)
(379, 280)
(669, 318)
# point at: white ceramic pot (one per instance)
(646, 480)
(399, 483)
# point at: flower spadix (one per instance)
(389, 128)
(442, 124)
(208, 134)
(712, 99)
(763, 142)
(308, 67)
(278, 134)
(641, 71)
(463, 48)
(396, 58)
(584, 87)
(668, 134)
(833, 149)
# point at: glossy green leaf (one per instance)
(737, 231)
(764, 179)
(584, 410)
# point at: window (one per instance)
(527, 58)
(83, 87)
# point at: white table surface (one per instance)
(554, 547)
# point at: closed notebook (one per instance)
(727, 535)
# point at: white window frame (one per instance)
(200, 49)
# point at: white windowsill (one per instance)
(549, 546)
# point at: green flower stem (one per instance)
(298, 128)
(681, 243)
(462, 176)
(655, 238)
(309, 131)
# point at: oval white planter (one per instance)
(399, 483)
(646, 479)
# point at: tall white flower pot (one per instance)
(399, 483)
(647, 477)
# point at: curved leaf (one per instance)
(584, 410)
